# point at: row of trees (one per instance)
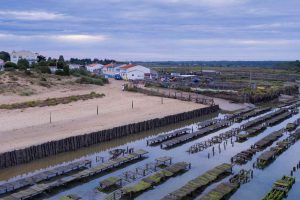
(87, 61)
(42, 65)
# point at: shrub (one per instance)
(89, 80)
(44, 69)
(79, 72)
(23, 64)
(10, 65)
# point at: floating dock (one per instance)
(252, 113)
(225, 190)
(221, 192)
(280, 188)
(37, 189)
(155, 179)
(195, 134)
(43, 176)
(264, 118)
(168, 136)
(245, 156)
(267, 157)
(200, 183)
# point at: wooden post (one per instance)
(132, 104)
(162, 100)
(97, 110)
(50, 118)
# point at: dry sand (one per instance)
(22, 128)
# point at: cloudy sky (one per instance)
(153, 29)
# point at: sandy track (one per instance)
(22, 128)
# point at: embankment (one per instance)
(21, 156)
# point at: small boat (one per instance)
(116, 153)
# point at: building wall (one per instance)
(31, 57)
(1, 65)
(136, 75)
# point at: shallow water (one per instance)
(256, 189)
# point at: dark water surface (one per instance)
(256, 189)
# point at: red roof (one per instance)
(128, 66)
(108, 65)
(93, 65)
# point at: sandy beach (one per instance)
(22, 128)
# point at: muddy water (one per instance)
(256, 189)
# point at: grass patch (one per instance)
(51, 101)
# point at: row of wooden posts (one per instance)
(21, 156)
(97, 110)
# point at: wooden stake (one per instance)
(97, 110)
(132, 104)
(50, 118)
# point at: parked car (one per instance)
(118, 77)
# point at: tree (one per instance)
(41, 58)
(10, 65)
(61, 59)
(23, 64)
(4, 56)
(60, 65)
(66, 70)
(43, 63)
(52, 62)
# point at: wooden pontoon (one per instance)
(201, 182)
(168, 136)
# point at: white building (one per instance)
(94, 68)
(137, 72)
(75, 66)
(111, 69)
(1, 65)
(28, 55)
(124, 69)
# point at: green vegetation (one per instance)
(86, 77)
(90, 61)
(51, 101)
(155, 179)
(23, 64)
(280, 188)
(4, 56)
(9, 66)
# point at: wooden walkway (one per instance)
(195, 134)
(37, 189)
(187, 191)
(168, 136)
(43, 176)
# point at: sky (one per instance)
(153, 30)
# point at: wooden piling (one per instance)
(21, 156)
